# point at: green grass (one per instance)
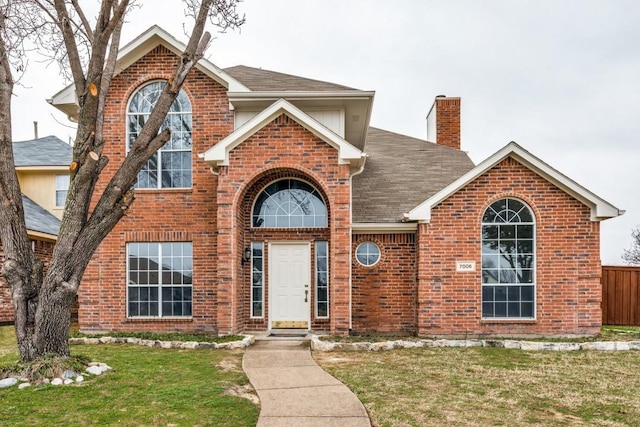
(147, 387)
(491, 386)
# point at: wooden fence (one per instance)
(620, 295)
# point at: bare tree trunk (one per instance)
(21, 269)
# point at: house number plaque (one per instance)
(465, 266)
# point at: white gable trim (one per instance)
(600, 208)
(218, 155)
(136, 49)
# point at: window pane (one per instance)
(256, 277)
(500, 293)
(490, 276)
(500, 309)
(526, 293)
(487, 293)
(487, 309)
(513, 309)
(526, 309)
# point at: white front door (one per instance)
(289, 285)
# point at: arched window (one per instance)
(289, 203)
(170, 166)
(508, 260)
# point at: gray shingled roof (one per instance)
(38, 218)
(400, 173)
(46, 151)
(259, 80)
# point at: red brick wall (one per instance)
(159, 215)
(384, 295)
(282, 148)
(43, 251)
(567, 259)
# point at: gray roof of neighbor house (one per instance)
(45, 151)
(258, 79)
(38, 218)
(400, 173)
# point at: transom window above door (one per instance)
(289, 203)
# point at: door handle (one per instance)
(306, 295)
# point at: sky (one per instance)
(559, 77)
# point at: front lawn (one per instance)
(491, 386)
(147, 387)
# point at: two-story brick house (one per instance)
(276, 205)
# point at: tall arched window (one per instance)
(289, 203)
(170, 167)
(508, 260)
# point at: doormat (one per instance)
(284, 335)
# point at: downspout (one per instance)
(357, 172)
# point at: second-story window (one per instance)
(170, 166)
(62, 187)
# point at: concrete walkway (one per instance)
(295, 391)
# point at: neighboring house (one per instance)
(42, 166)
(276, 205)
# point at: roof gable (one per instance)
(218, 155)
(65, 100)
(600, 208)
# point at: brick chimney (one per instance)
(443, 122)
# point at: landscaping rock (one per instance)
(8, 382)
(97, 368)
(68, 381)
(57, 381)
(512, 344)
(23, 385)
(599, 345)
(69, 374)
(79, 378)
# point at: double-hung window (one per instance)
(159, 279)
(508, 261)
(62, 188)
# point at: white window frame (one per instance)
(317, 281)
(533, 283)
(60, 188)
(364, 244)
(161, 150)
(159, 285)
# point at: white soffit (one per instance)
(218, 155)
(600, 208)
